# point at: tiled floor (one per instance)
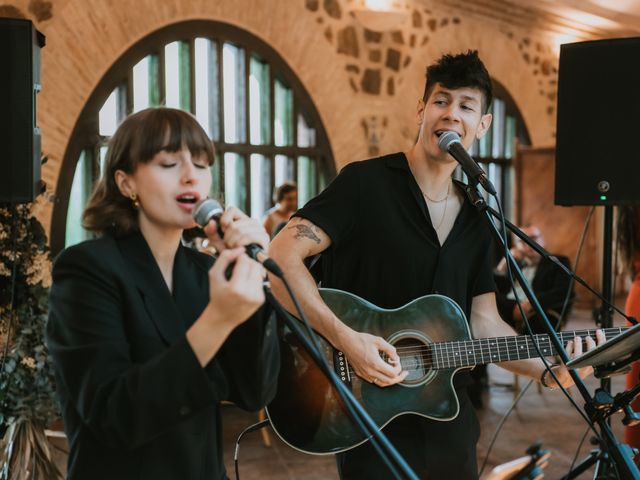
(545, 416)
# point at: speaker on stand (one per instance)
(596, 159)
(20, 45)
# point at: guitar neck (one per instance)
(503, 349)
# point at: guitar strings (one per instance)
(448, 355)
(508, 342)
(513, 340)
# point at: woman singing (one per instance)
(148, 336)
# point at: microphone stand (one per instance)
(620, 454)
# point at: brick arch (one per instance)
(87, 37)
(506, 66)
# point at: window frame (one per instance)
(86, 136)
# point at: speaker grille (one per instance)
(598, 123)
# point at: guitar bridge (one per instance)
(341, 366)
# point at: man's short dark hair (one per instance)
(458, 71)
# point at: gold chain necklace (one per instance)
(440, 200)
(445, 200)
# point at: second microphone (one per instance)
(210, 209)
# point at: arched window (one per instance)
(496, 150)
(264, 125)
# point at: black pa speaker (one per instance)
(597, 158)
(20, 45)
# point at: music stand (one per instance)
(612, 355)
(608, 358)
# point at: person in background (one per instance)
(147, 336)
(548, 281)
(286, 199)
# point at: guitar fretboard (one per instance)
(500, 349)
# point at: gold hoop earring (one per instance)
(134, 199)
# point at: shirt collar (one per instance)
(398, 161)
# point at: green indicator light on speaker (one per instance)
(603, 197)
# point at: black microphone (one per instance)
(209, 209)
(450, 142)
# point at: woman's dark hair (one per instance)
(284, 189)
(138, 139)
(628, 236)
(458, 71)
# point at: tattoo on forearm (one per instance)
(304, 231)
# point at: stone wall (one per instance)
(365, 84)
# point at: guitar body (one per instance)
(308, 414)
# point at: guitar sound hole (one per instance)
(415, 357)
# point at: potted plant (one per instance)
(27, 389)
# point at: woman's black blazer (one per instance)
(136, 403)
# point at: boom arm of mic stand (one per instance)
(543, 253)
(623, 460)
(359, 414)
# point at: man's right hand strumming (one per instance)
(372, 358)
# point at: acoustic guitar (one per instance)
(433, 341)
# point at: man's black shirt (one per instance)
(384, 247)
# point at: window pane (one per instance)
(306, 179)
(510, 136)
(102, 160)
(260, 185)
(235, 181)
(141, 85)
(108, 116)
(259, 116)
(214, 91)
(494, 173)
(80, 190)
(177, 75)
(216, 190)
(233, 69)
(285, 170)
(497, 127)
(206, 72)
(306, 134)
(283, 127)
(146, 90)
(484, 145)
(154, 80)
(325, 175)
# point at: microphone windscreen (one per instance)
(205, 210)
(446, 139)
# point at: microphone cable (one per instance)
(577, 454)
(249, 429)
